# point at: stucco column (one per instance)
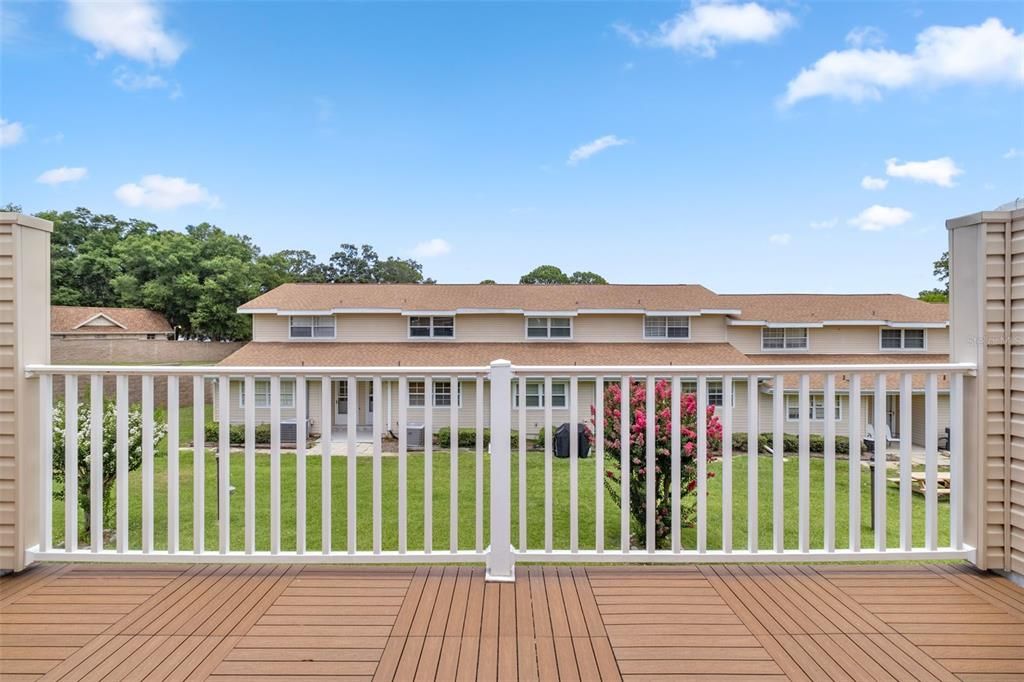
(24, 340)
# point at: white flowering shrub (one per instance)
(109, 417)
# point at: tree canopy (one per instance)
(196, 278)
(940, 269)
(551, 274)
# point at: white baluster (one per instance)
(854, 467)
(649, 464)
(548, 438)
(224, 464)
(46, 461)
(275, 465)
(778, 464)
(574, 453)
(931, 462)
(956, 462)
(676, 450)
(625, 441)
(327, 410)
(198, 464)
(378, 430)
(147, 464)
(403, 456)
(428, 464)
(726, 422)
(351, 457)
(70, 463)
(752, 448)
(805, 464)
(480, 464)
(172, 464)
(96, 461)
(300, 464)
(830, 462)
(249, 396)
(453, 465)
(906, 494)
(521, 412)
(598, 466)
(881, 435)
(702, 464)
(121, 384)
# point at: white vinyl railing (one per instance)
(714, 496)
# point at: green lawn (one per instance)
(466, 497)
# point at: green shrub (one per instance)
(236, 433)
(791, 443)
(467, 438)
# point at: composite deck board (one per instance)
(266, 622)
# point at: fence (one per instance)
(300, 505)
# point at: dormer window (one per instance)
(666, 327)
(431, 327)
(548, 328)
(790, 338)
(903, 339)
(311, 327)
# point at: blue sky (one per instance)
(717, 143)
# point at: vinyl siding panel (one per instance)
(837, 340)
(7, 399)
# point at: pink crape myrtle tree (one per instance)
(613, 441)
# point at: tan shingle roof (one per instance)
(867, 381)
(70, 320)
(822, 307)
(672, 297)
(446, 354)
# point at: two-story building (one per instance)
(446, 325)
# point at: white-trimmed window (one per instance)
(443, 393)
(902, 339)
(432, 327)
(261, 389)
(716, 394)
(417, 394)
(666, 327)
(817, 405)
(549, 328)
(789, 338)
(535, 394)
(311, 327)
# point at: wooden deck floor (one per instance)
(419, 623)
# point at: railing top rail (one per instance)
(747, 370)
(236, 371)
(569, 370)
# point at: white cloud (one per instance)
(877, 218)
(130, 81)
(432, 248)
(57, 176)
(131, 28)
(11, 132)
(824, 224)
(865, 36)
(585, 151)
(943, 55)
(1012, 153)
(781, 239)
(708, 25)
(937, 171)
(56, 138)
(868, 182)
(162, 192)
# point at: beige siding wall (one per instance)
(8, 413)
(487, 328)
(839, 339)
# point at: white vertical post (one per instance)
(351, 457)
(778, 464)
(403, 456)
(676, 449)
(121, 385)
(327, 409)
(249, 398)
(805, 464)
(753, 444)
(480, 463)
(172, 464)
(147, 463)
(956, 462)
(70, 463)
(500, 564)
(830, 463)
(931, 462)
(881, 435)
(96, 461)
(906, 494)
(275, 464)
(428, 464)
(453, 466)
(574, 476)
(377, 473)
(726, 422)
(649, 464)
(625, 444)
(300, 464)
(702, 464)
(224, 464)
(46, 461)
(198, 464)
(853, 484)
(598, 465)
(521, 413)
(548, 454)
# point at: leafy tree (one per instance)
(488, 281)
(10, 208)
(635, 441)
(586, 277)
(941, 272)
(109, 457)
(545, 274)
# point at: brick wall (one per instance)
(68, 351)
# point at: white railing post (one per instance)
(500, 564)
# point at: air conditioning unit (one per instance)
(414, 436)
(289, 431)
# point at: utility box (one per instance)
(415, 435)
